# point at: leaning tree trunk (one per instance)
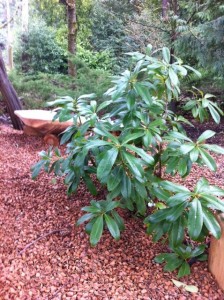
(10, 97)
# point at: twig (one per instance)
(61, 231)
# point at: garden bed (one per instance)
(62, 264)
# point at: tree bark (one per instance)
(25, 15)
(72, 33)
(10, 97)
(164, 8)
(9, 37)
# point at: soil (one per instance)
(43, 256)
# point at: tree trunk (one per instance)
(164, 8)
(10, 97)
(25, 15)
(72, 33)
(9, 37)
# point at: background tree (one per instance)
(9, 96)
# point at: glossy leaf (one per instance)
(194, 155)
(215, 115)
(133, 164)
(144, 155)
(208, 160)
(184, 270)
(206, 135)
(107, 162)
(119, 220)
(96, 231)
(176, 212)
(214, 148)
(85, 218)
(166, 54)
(195, 219)
(126, 186)
(211, 223)
(112, 226)
(172, 187)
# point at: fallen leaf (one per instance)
(188, 288)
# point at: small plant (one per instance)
(180, 259)
(201, 106)
(127, 149)
(101, 212)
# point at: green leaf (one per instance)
(104, 104)
(211, 223)
(96, 143)
(180, 136)
(110, 205)
(176, 212)
(89, 226)
(85, 218)
(140, 204)
(166, 54)
(214, 148)
(173, 265)
(186, 148)
(216, 191)
(208, 160)
(178, 198)
(162, 257)
(126, 186)
(172, 187)
(112, 226)
(205, 103)
(96, 231)
(193, 70)
(91, 209)
(37, 168)
(194, 155)
(158, 216)
(131, 137)
(90, 185)
(215, 115)
(212, 201)
(205, 135)
(201, 185)
(198, 251)
(103, 132)
(143, 91)
(144, 155)
(195, 219)
(184, 270)
(118, 220)
(133, 164)
(140, 189)
(173, 77)
(107, 162)
(176, 234)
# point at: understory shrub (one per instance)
(38, 51)
(130, 149)
(35, 90)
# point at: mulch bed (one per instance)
(61, 264)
